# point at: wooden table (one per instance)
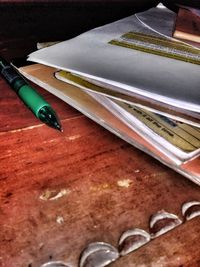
(60, 192)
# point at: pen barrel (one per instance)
(13, 78)
(11, 75)
(32, 99)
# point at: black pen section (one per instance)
(47, 115)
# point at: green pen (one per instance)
(41, 109)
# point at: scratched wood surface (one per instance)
(61, 191)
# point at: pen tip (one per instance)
(48, 116)
(59, 128)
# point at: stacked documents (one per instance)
(143, 83)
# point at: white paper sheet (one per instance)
(170, 81)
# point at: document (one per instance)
(136, 80)
(94, 56)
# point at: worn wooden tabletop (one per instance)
(60, 192)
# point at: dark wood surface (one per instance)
(61, 191)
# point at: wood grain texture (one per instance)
(168, 249)
(89, 164)
(61, 191)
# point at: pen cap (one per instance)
(32, 99)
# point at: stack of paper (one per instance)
(135, 79)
